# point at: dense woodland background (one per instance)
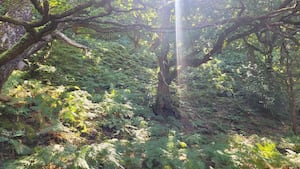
(136, 84)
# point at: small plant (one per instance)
(12, 138)
(255, 152)
(102, 155)
(77, 109)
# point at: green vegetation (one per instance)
(106, 88)
(61, 117)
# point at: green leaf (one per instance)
(20, 148)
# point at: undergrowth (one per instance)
(85, 112)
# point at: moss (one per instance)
(26, 41)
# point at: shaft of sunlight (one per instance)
(179, 33)
(179, 43)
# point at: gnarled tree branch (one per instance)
(69, 41)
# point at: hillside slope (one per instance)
(77, 111)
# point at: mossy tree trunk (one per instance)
(11, 34)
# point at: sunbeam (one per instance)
(179, 32)
(179, 43)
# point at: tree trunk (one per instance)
(293, 112)
(290, 83)
(291, 95)
(6, 70)
(11, 34)
(163, 105)
(163, 99)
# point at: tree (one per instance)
(230, 21)
(212, 25)
(289, 61)
(11, 34)
(52, 20)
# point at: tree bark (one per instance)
(293, 112)
(163, 105)
(11, 34)
(290, 87)
(291, 95)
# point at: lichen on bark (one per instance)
(11, 35)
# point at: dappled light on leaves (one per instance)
(149, 84)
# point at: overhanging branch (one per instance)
(13, 21)
(69, 41)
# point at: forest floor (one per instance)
(225, 118)
(214, 125)
(97, 115)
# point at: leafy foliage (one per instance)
(92, 109)
(263, 153)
